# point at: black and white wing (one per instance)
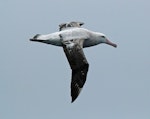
(70, 24)
(78, 63)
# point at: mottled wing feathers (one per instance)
(78, 63)
(70, 24)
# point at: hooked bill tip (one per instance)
(110, 43)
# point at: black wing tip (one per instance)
(73, 99)
(74, 95)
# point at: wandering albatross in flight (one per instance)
(73, 38)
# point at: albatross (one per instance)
(73, 38)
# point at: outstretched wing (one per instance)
(78, 63)
(70, 24)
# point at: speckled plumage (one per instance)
(73, 39)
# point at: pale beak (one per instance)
(110, 43)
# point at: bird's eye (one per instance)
(103, 36)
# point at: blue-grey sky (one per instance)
(35, 78)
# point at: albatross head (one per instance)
(103, 39)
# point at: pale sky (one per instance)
(35, 78)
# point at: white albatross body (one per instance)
(90, 38)
(73, 39)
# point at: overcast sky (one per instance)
(35, 78)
